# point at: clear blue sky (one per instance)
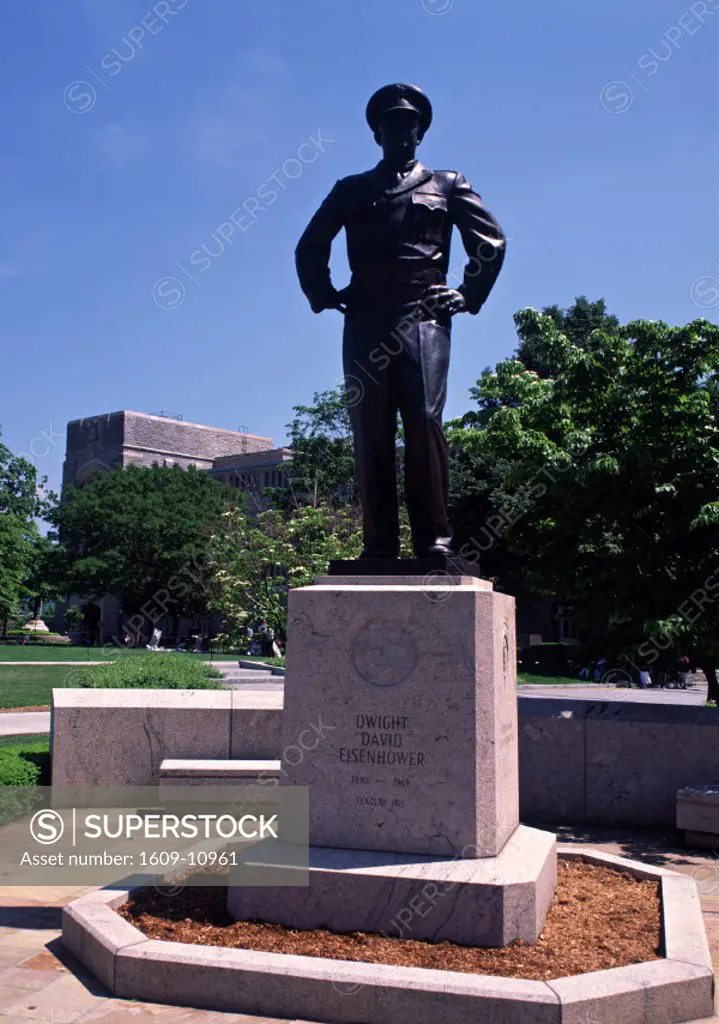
(602, 191)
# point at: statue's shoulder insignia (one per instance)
(444, 180)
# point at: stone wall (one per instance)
(580, 762)
(120, 737)
(612, 762)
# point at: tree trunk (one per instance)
(711, 675)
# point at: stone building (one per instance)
(97, 444)
(254, 471)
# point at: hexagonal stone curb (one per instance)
(668, 991)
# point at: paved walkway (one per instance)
(40, 982)
(695, 695)
(24, 723)
(262, 679)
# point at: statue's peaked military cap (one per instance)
(399, 97)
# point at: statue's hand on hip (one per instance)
(338, 300)
(443, 300)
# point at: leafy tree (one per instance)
(577, 323)
(476, 473)
(475, 500)
(141, 534)
(18, 486)
(255, 561)
(75, 617)
(19, 505)
(41, 579)
(15, 551)
(605, 477)
(322, 470)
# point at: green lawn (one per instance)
(12, 652)
(32, 744)
(528, 677)
(27, 687)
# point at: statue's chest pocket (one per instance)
(428, 216)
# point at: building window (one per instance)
(568, 631)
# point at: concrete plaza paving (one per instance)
(40, 982)
(695, 695)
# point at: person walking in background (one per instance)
(265, 637)
(268, 642)
(682, 672)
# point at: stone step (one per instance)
(276, 670)
(271, 685)
(240, 675)
(236, 772)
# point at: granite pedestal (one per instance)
(407, 686)
(415, 683)
(481, 902)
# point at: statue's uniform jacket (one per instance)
(395, 351)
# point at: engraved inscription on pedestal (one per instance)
(385, 746)
(381, 739)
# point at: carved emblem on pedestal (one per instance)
(383, 654)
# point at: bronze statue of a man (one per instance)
(398, 218)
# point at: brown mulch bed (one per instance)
(33, 707)
(599, 918)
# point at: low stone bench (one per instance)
(698, 815)
(175, 774)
